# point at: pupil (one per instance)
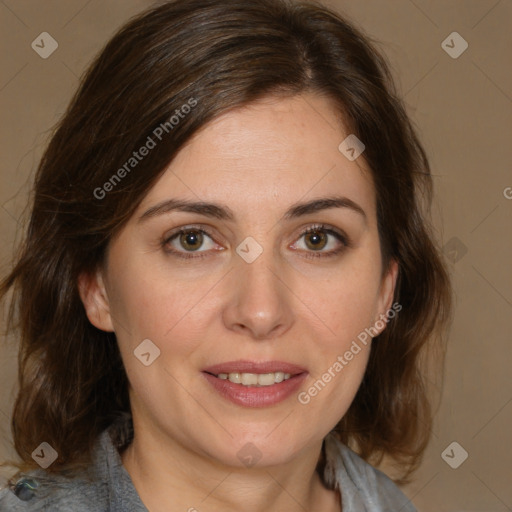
(315, 238)
(191, 239)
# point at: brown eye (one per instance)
(322, 241)
(191, 240)
(315, 239)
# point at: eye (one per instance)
(189, 238)
(317, 238)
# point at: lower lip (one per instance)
(253, 396)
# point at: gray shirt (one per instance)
(363, 488)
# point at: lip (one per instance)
(249, 396)
(246, 366)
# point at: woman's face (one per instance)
(251, 287)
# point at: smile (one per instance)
(255, 383)
(255, 379)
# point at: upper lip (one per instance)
(245, 366)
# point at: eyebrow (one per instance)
(222, 212)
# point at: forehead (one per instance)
(276, 150)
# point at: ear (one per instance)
(95, 300)
(386, 294)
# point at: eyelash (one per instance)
(312, 254)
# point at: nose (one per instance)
(258, 300)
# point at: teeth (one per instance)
(265, 379)
(255, 379)
(249, 379)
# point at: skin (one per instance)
(258, 161)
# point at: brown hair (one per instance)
(217, 56)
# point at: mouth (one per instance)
(255, 384)
(253, 379)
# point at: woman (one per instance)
(228, 289)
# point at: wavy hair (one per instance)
(224, 55)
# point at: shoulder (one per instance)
(104, 486)
(363, 487)
(39, 491)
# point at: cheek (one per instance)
(150, 299)
(346, 301)
(351, 310)
(171, 310)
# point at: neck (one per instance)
(170, 476)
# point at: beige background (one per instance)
(463, 110)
